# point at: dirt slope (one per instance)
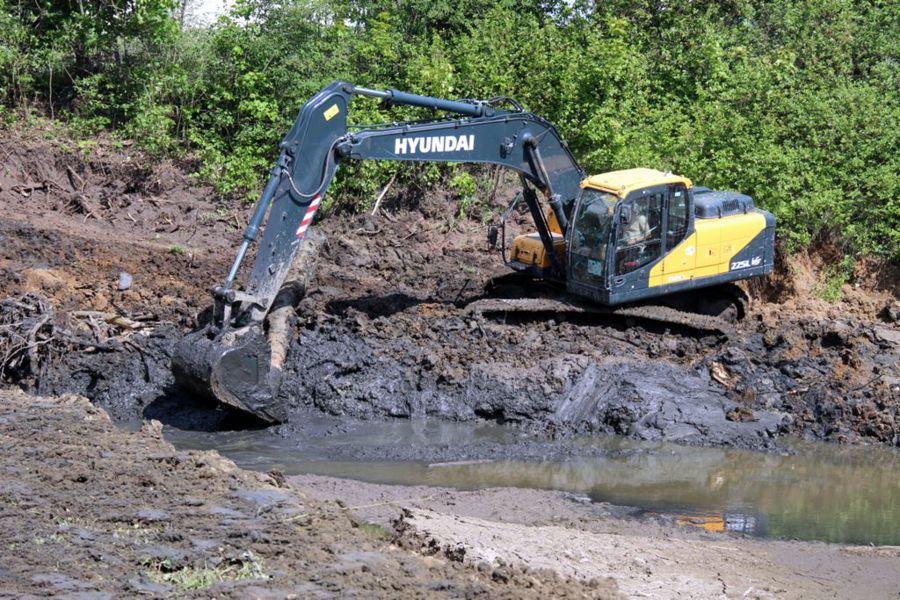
(384, 328)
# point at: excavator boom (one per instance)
(232, 359)
(320, 140)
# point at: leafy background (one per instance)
(793, 102)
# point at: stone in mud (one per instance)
(263, 497)
(151, 515)
(60, 583)
(174, 557)
(148, 588)
(125, 281)
(891, 312)
(889, 335)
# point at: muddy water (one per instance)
(822, 492)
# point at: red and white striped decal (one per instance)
(308, 217)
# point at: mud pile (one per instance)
(384, 332)
(833, 379)
(565, 377)
(449, 369)
(74, 215)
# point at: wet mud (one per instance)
(393, 352)
(91, 511)
(383, 332)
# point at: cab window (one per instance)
(639, 240)
(590, 236)
(677, 217)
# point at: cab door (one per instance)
(638, 241)
(679, 244)
(589, 243)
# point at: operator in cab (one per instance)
(638, 229)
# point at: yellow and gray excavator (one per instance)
(636, 242)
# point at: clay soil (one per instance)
(91, 511)
(383, 334)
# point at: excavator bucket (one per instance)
(242, 366)
(234, 368)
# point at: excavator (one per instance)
(637, 242)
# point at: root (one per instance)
(33, 336)
(26, 332)
(78, 204)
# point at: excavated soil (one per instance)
(384, 330)
(105, 259)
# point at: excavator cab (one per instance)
(660, 235)
(637, 234)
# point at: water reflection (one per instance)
(822, 492)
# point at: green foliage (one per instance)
(794, 103)
(374, 530)
(187, 578)
(466, 189)
(832, 279)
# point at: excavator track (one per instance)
(657, 313)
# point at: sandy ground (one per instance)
(556, 530)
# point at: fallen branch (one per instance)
(32, 336)
(26, 327)
(26, 190)
(78, 204)
(383, 192)
(75, 180)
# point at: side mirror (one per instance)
(625, 215)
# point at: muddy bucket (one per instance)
(234, 368)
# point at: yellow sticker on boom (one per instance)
(331, 112)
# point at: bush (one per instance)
(795, 103)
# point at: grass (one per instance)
(186, 578)
(832, 279)
(374, 530)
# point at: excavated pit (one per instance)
(383, 333)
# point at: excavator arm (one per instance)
(320, 140)
(231, 360)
